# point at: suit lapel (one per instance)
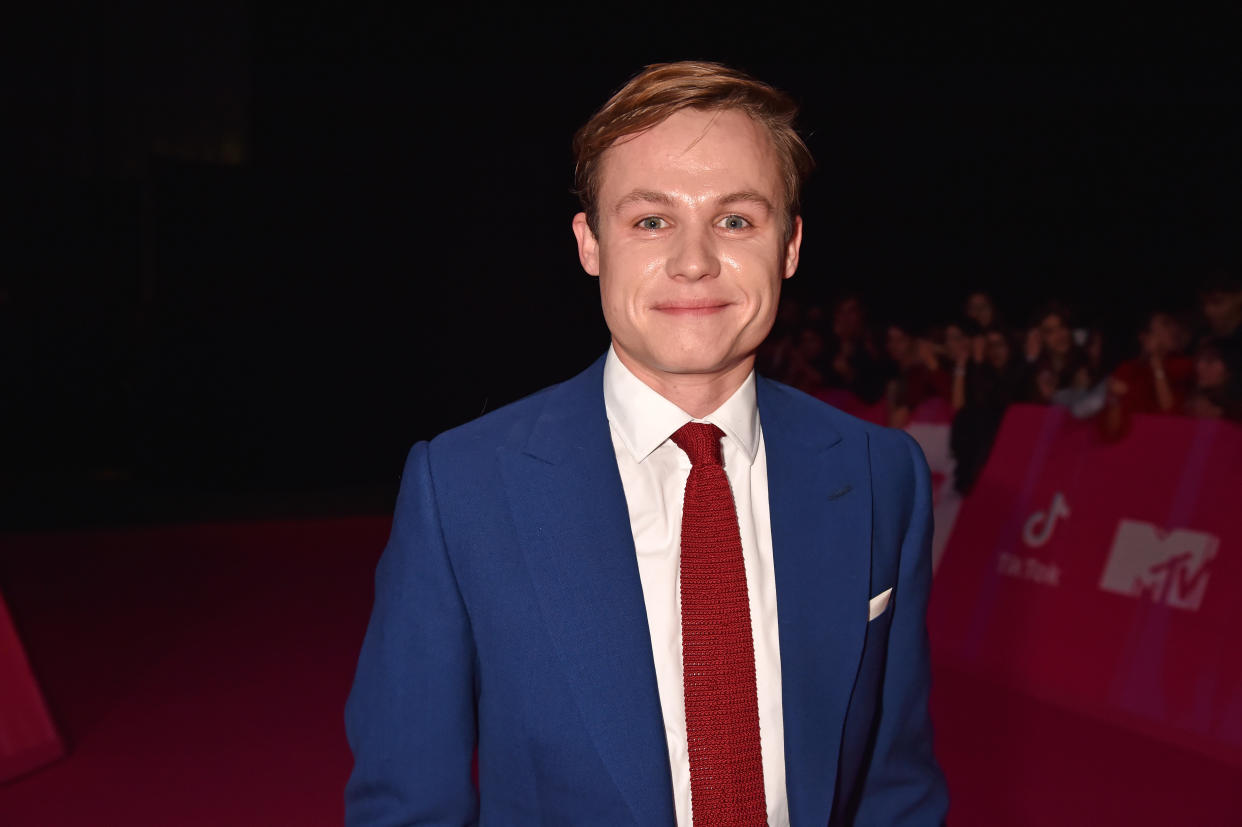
(569, 509)
(819, 489)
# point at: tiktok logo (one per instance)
(1040, 525)
(1036, 532)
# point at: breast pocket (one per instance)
(861, 722)
(878, 605)
(875, 643)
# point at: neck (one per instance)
(698, 394)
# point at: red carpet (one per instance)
(199, 675)
(1017, 762)
(198, 672)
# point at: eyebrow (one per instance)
(744, 196)
(643, 197)
(655, 197)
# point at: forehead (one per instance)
(694, 152)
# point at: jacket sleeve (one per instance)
(410, 718)
(903, 786)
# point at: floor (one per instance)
(198, 673)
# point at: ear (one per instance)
(588, 245)
(792, 247)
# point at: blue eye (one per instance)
(734, 222)
(651, 222)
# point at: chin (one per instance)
(697, 361)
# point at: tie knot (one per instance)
(701, 442)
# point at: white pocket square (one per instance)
(878, 604)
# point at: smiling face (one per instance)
(692, 246)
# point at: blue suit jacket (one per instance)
(509, 614)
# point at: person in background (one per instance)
(1217, 393)
(1094, 350)
(1053, 361)
(1157, 382)
(1220, 301)
(964, 347)
(853, 363)
(980, 309)
(993, 383)
(1088, 394)
(803, 369)
(774, 354)
(919, 374)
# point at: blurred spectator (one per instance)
(1221, 303)
(982, 310)
(853, 362)
(972, 369)
(919, 373)
(805, 357)
(1054, 362)
(774, 353)
(1086, 399)
(1158, 381)
(962, 340)
(1094, 350)
(993, 381)
(1218, 381)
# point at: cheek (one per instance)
(758, 273)
(623, 280)
(612, 298)
(764, 301)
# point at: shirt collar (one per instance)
(644, 419)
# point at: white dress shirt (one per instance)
(653, 474)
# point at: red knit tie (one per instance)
(718, 653)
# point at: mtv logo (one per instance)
(1169, 568)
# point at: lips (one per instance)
(691, 307)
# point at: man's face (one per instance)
(691, 248)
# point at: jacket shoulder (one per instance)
(889, 449)
(803, 404)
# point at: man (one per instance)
(665, 591)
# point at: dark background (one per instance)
(252, 254)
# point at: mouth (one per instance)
(691, 307)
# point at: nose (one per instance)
(694, 255)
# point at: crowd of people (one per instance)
(968, 370)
